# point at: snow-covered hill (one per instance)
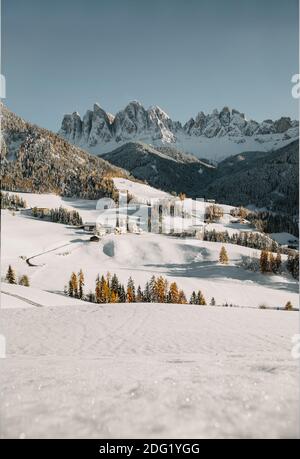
(213, 136)
(139, 191)
(56, 250)
(171, 370)
(149, 371)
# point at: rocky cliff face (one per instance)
(100, 132)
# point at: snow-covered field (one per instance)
(86, 208)
(56, 250)
(149, 371)
(80, 369)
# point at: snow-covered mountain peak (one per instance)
(134, 103)
(98, 109)
(158, 111)
(214, 135)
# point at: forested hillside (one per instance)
(36, 160)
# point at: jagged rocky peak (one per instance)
(100, 127)
(283, 124)
(92, 129)
(251, 127)
(71, 127)
(196, 126)
(87, 125)
(130, 121)
(217, 123)
(135, 111)
(225, 116)
(100, 114)
(266, 127)
(187, 127)
(161, 125)
(134, 122)
(156, 111)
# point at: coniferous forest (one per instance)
(60, 215)
(36, 160)
(245, 238)
(12, 201)
(108, 289)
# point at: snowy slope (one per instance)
(17, 296)
(56, 250)
(86, 207)
(150, 371)
(139, 191)
(77, 369)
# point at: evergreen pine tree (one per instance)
(173, 294)
(181, 297)
(278, 262)
(114, 284)
(91, 297)
(272, 263)
(24, 280)
(74, 283)
(130, 294)
(139, 295)
(200, 299)
(80, 284)
(70, 289)
(104, 291)
(108, 279)
(11, 276)
(98, 290)
(147, 293)
(264, 261)
(122, 294)
(193, 299)
(223, 257)
(114, 297)
(296, 266)
(161, 289)
(152, 289)
(288, 306)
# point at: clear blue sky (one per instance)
(61, 56)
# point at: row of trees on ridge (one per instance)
(60, 215)
(12, 201)
(108, 289)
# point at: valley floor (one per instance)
(154, 370)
